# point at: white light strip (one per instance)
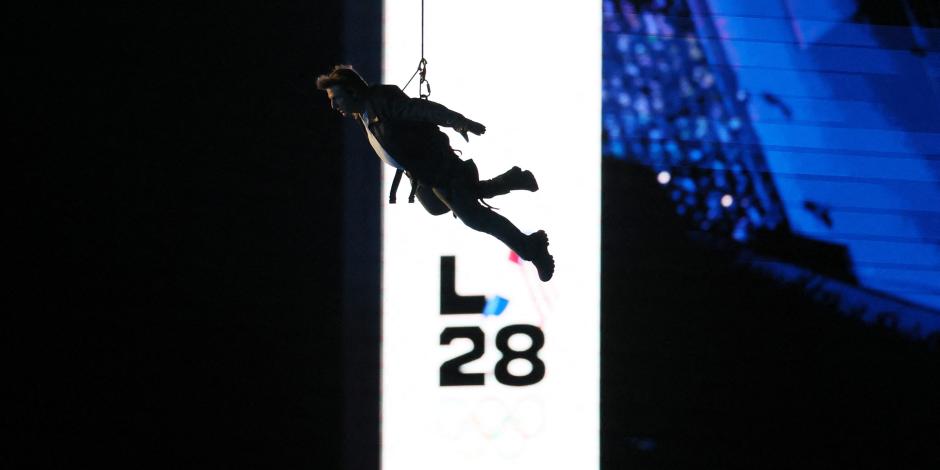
(531, 72)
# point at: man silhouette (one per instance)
(404, 133)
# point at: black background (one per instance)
(178, 226)
(179, 247)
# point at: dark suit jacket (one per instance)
(408, 130)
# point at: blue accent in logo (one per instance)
(495, 305)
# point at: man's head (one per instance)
(345, 88)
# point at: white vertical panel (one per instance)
(531, 72)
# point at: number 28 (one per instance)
(450, 370)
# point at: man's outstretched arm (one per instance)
(400, 106)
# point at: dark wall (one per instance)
(707, 365)
(178, 232)
(362, 234)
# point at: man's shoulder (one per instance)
(387, 92)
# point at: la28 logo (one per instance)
(454, 304)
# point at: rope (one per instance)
(422, 66)
(422, 29)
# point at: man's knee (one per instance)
(473, 215)
(465, 206)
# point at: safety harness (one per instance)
(423, 84)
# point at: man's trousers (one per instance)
(461, 193)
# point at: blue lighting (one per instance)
(495, 306)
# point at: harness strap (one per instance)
(395, 182)
(414, 189)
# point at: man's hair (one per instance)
(344, 76)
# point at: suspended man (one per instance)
(404, 133)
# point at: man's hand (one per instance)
(470, 126)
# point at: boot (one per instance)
(512, 180)
(538, 252)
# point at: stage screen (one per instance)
(484, 365)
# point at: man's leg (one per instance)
(512, 180)
(533, 247)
